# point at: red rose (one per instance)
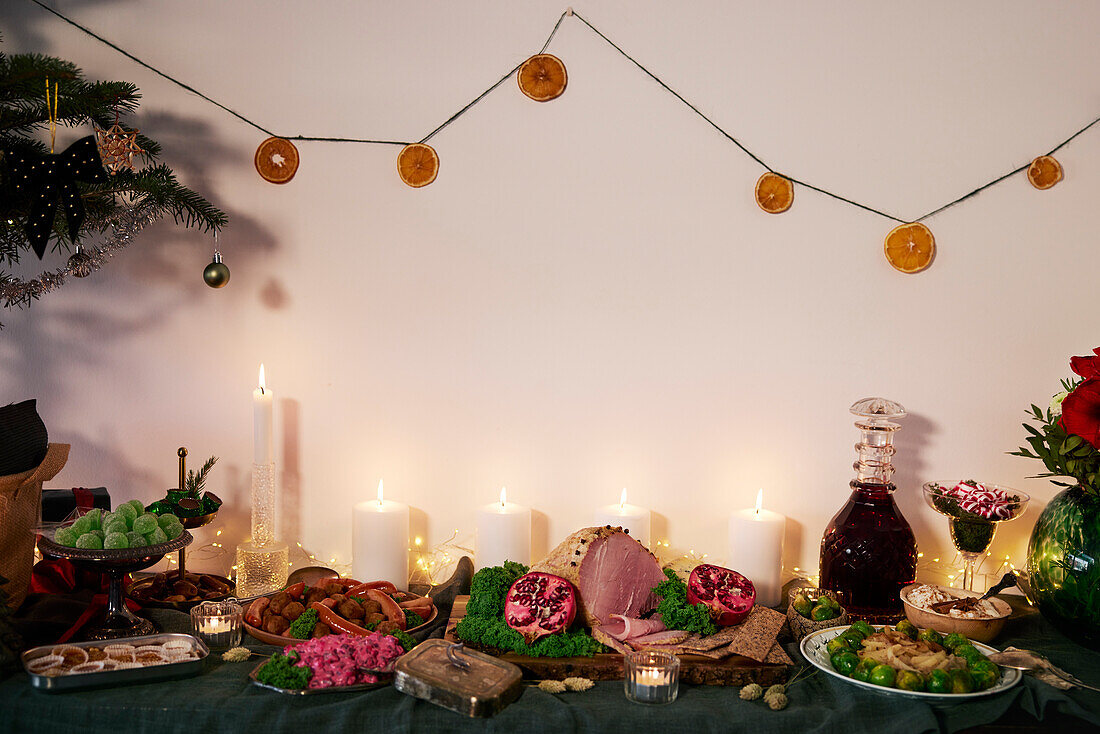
(1081, 410)
(1086, 367)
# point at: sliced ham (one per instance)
(613, 573)
(667, 637)
(605, 639)
(627, 628)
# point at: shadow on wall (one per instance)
(161, 274)
(912, 441)
(22, 21)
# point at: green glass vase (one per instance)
(1063, 564)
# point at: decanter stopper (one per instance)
(875, 447)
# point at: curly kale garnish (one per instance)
(675, 611)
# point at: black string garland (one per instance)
(570, 13)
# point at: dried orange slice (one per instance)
(774, 193)
(910, 247)
(277, 160)
(418, 164)
(542, 77)
(1044, 172)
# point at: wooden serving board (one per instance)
(733, 671)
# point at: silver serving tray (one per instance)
(311, 691)
(81, 681)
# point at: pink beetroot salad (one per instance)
(339, 660)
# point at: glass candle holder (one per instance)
(651, 676)
(217, 623)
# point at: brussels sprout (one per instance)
(863, 670)
(939, 682)
(961, 681)
(930, 635)
(883, 675)
(908, 629)
(909, 680)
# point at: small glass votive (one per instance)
(651, 676)
(217, 623)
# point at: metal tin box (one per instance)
(465, 681)
(147, 674)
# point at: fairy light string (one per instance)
(571, 14)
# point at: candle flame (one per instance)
(263, 383)
(759, 500)
(622, 500)
(503, 495)
(379, 492)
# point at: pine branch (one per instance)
(195, 483)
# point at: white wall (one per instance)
(587, 298)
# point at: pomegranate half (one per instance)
(729, 595)
(540, 604)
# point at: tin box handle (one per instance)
(452, 656)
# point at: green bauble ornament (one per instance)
(1064, 564)
(216, 273)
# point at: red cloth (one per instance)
(99, 602)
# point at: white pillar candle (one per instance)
(262, 402)
(634, 519)
(756, 549)
(503, 533)
(380, 541)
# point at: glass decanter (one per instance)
(868, 552)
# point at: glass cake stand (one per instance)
(117, 620)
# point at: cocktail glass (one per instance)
(973, 515)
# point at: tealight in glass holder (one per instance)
(217, 623)
(651, 676)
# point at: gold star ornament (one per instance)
(117, 148)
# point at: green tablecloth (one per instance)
(221, 700)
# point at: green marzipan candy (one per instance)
(157, 536)
(167, 519)
(136, 540)
(116, 540)
(95, 518)
(173, 530)
(138, 507)
(116, 525)
(145, 524)
(65, 536)
(128, 511)
(89, 541)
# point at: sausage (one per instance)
(393, 612)
(254, 615)
(293, 610)
(420, 601)
(294, 591)
(380, 585)
(335, 622)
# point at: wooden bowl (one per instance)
(982, 630)
(800, 626)
(283, 640)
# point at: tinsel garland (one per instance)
(124, 227)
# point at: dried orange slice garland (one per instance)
(542, 77)
(277, 160)
(1044, 172)
(418, 164)
(910, 247)
(774, 194)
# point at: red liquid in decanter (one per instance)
(869, 553)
